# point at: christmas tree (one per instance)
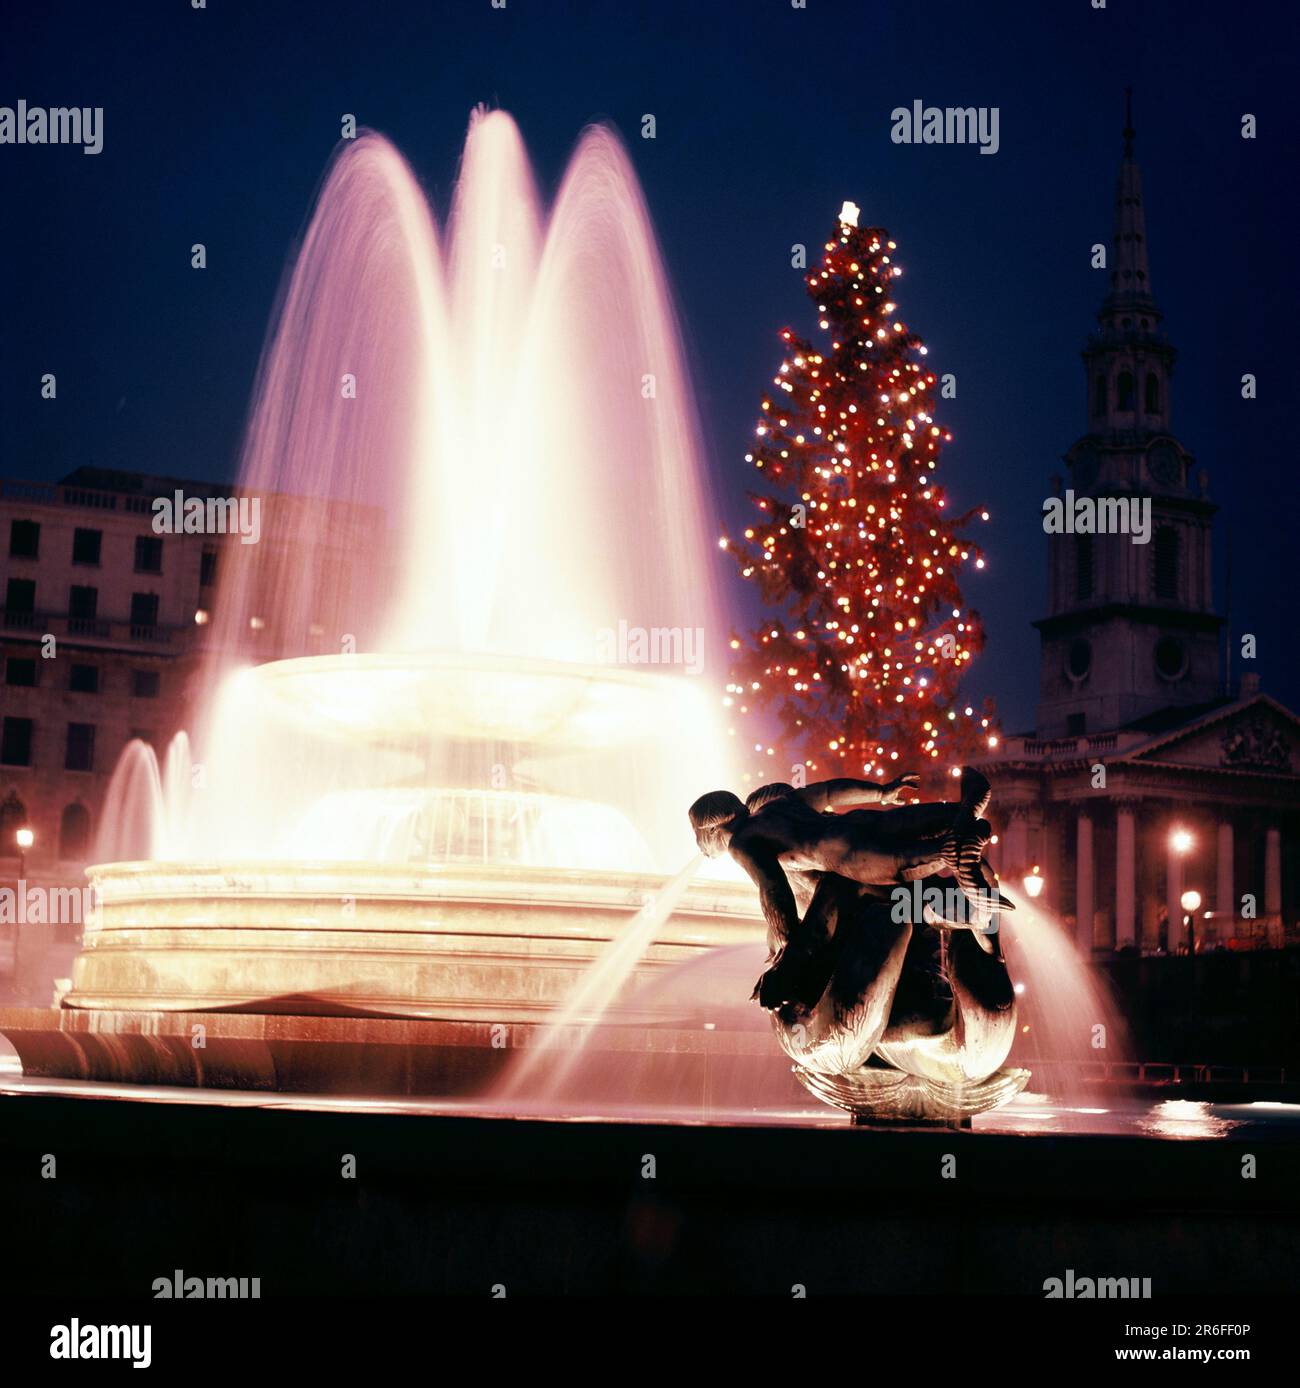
(854, 549)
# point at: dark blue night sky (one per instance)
(219, 122)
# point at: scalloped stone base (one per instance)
(891, 1096)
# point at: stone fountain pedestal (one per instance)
(360, 978)
(363, 980)
(376, 1056)
(499, 945)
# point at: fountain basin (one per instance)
(366, 978)
(482, 943)
(420, 698)
(430, 759)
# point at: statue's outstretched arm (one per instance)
(775, 896)
(844, 792)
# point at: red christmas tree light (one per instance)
(854, 549)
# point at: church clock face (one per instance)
(1164, 464)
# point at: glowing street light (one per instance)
(1190, 901)
(1181, 842)
(1033, 883)
(24, 839)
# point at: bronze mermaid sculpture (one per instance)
(854, 977)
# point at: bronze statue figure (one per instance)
(864, 989)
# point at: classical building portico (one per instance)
(1121, 824)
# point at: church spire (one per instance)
(1129, 307)
(1129, 361)
(1131, 627)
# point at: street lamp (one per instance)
(1181, 843)
(1190, 901)
(24, 838)
(1033, 883)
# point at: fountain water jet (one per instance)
(132, 822)
(1068, 1022)
(146, 805)
(543, 494)
(545, 1068)
(453, 825)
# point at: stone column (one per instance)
(1273, 873)
(1174, 904)
(1084, 900)
(1225, 907)
(1125, 876)
(1016, 845)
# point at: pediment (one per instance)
(1259, 736)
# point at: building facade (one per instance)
(99, 643)
(1147, 776)
(110, 629)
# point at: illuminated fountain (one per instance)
(446, 818)
(451, 826)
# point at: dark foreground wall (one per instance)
(465, 1205)
(1222, 1008)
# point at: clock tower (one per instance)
(1131, 627)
